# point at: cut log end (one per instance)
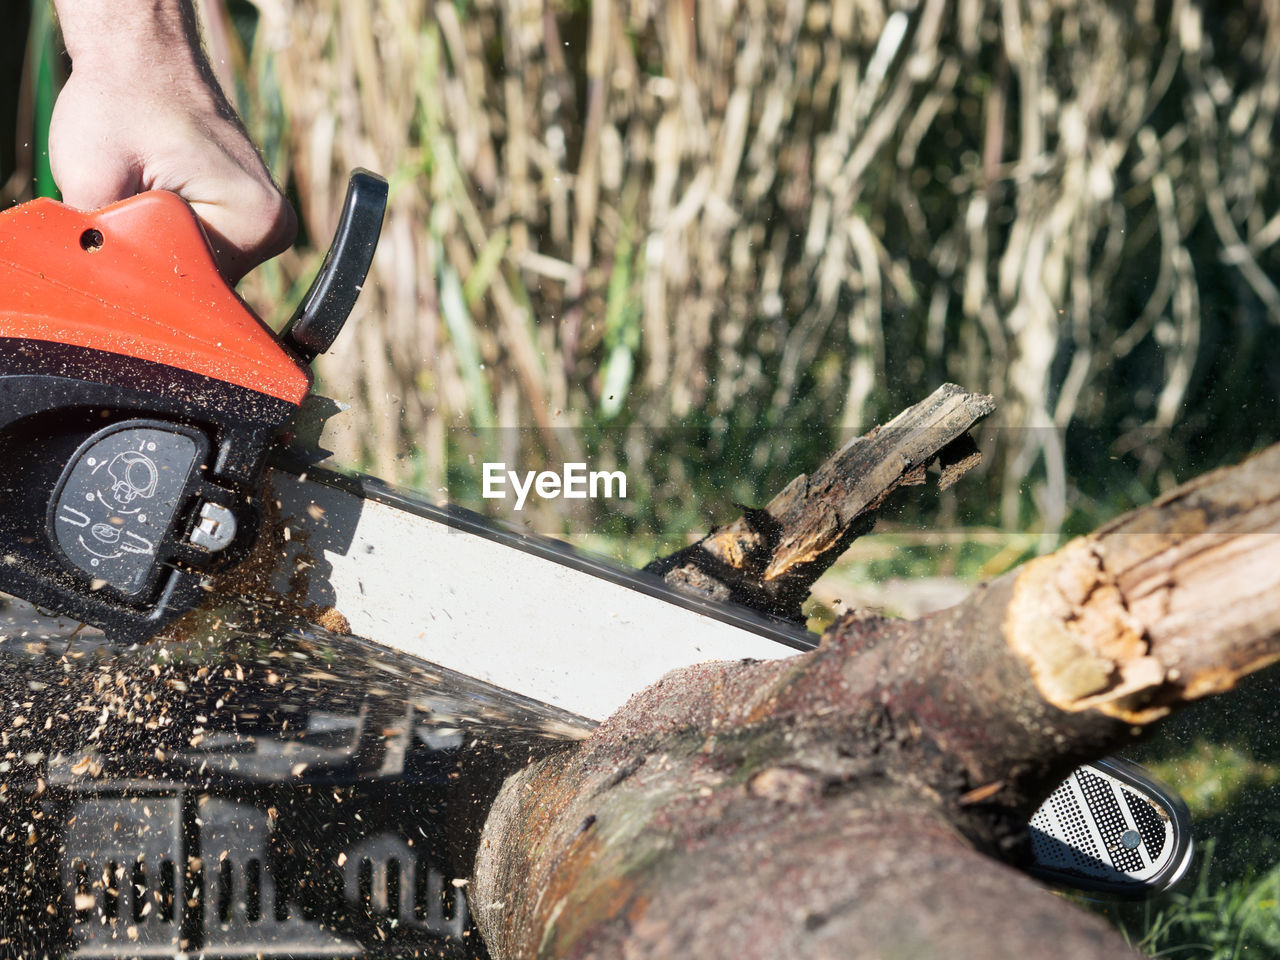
(1169, 603)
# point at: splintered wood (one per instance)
(769, 558)
(1169, 603)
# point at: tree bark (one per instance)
(869, 799)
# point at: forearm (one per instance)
(156, 42)
(126, 32)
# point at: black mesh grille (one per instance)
(1100, 796)
(1074, 848)
(1149, 823)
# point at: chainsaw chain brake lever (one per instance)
(323, 311)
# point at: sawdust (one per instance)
(256, 577)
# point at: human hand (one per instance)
(142, 111)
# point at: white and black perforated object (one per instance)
(1110, 828)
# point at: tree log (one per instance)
(869, 799)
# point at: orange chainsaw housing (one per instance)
(136, 279)
(141, 399)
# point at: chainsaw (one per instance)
(141, 409)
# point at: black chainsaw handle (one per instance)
(320, 316)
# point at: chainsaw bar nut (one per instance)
(216, 528)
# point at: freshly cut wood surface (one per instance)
(1165, 604)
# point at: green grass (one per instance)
(1210, 917)
(44, 51)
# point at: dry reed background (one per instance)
(702, 237)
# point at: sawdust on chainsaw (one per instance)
(254, 578)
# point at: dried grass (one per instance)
(778, 217)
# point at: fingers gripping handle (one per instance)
(319, 318)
